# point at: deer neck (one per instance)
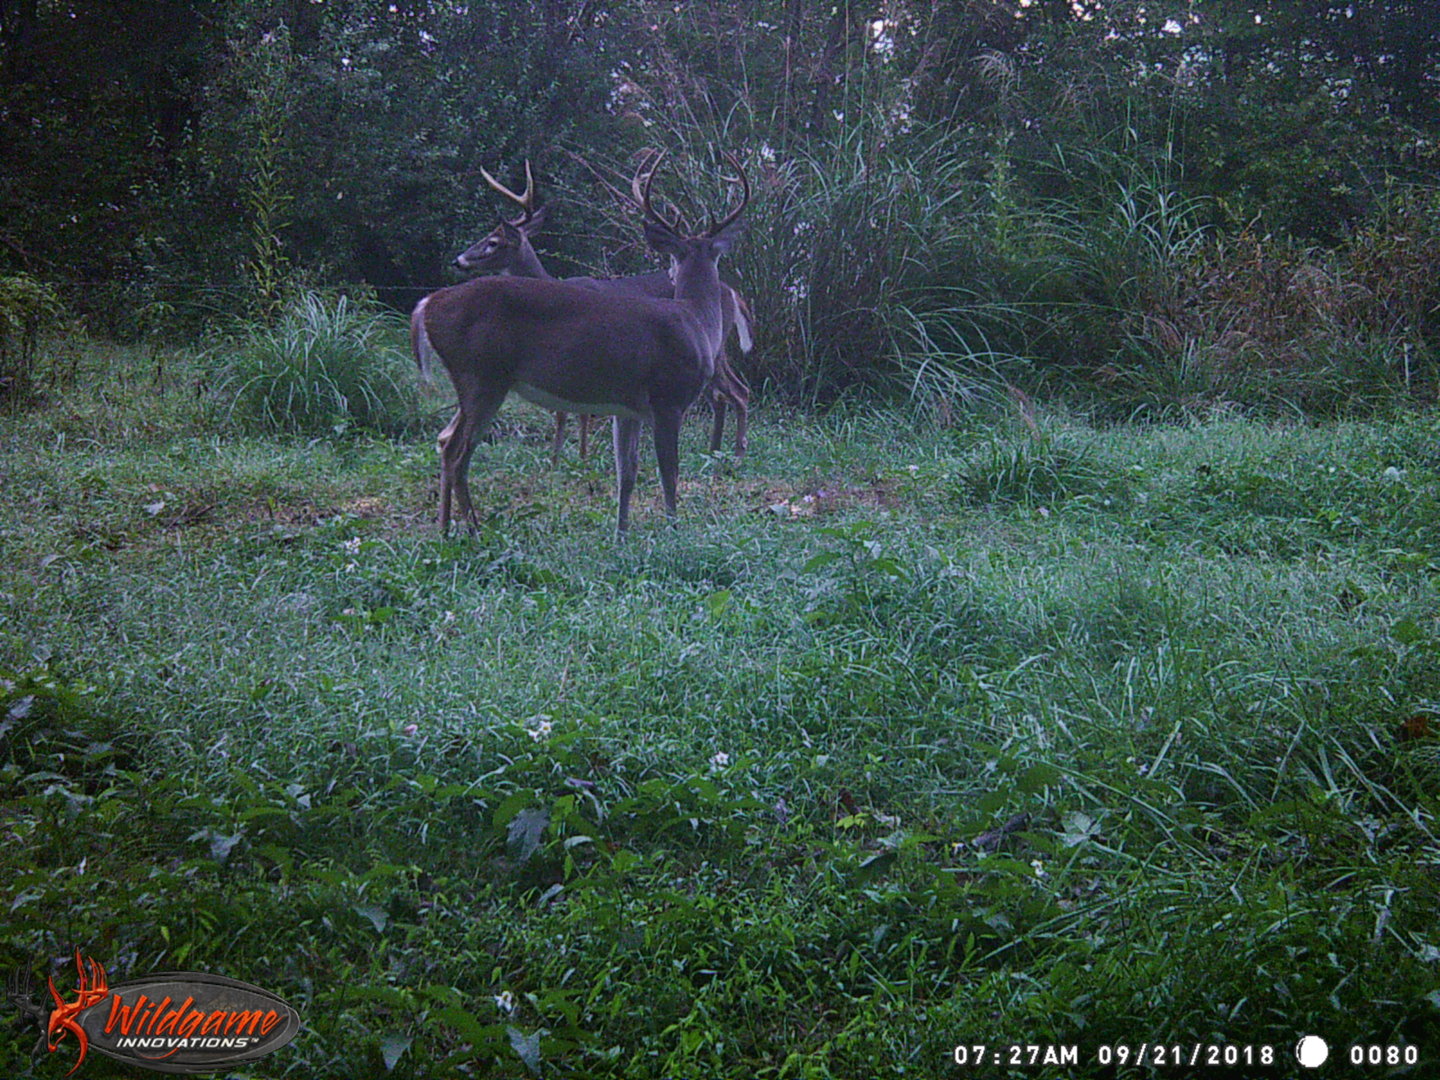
(527, 264)
(697, 283)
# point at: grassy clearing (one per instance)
(904, 739)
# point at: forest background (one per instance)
(1155, 205)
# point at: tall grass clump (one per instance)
(326, 363)
(872, 229)
(1282, 328)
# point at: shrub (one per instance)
(26, 305)
(326, 364)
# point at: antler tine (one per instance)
(636, 188)
(716, 229)
(529, 188)
(676, 225)
(526, 202)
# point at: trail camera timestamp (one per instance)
(974, 1055)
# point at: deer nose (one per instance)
(460, 263)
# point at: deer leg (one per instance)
(627, 464)
(586, 423)
(726, 387)
(718, 397)
(717, 430)
(476, 415)
(454, 461)
(446, 480)
(738, 392)
(740, 398)
(667, 455)
(559, 440)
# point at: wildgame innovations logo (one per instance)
(172, 1022)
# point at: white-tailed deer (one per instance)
(508, 250)
(576, 348)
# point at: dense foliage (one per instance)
(1024, 188)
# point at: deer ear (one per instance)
(536, 221)
(727, 237)
(664, 240)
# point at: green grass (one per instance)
(723, 800)
(325, 364)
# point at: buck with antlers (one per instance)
(509, 250)
(576, 348)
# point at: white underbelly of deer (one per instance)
(594, 408)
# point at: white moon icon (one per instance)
(1311, 1051)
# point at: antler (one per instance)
(526, 202)
(716, 229)
(642, 196)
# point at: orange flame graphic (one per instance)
(89, 990)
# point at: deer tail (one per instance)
(744, 321)
(420, 340)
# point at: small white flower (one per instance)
(720, 760)
(541, 729)
(505, 1002)
(352, 546)
(913, 469)
(1039, 867)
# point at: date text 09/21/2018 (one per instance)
(1138, 1054)
(1160, 1055)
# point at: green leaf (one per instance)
(819, 561)
(1079, 827)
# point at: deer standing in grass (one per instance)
(508, 250)
(575, 348)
